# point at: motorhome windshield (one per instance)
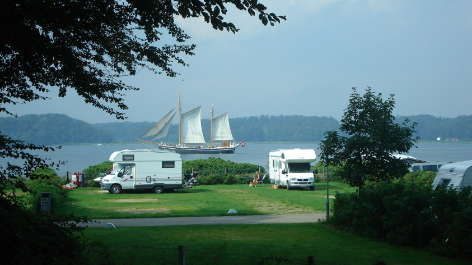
(299, 167)
(117, 169)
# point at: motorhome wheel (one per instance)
(158, 189)
(115, 189)
(288, 186)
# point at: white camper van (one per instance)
(292, 168)
(457, 175)
(144, 170)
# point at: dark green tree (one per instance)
(85, 46)
(88, 45)
(365, 154)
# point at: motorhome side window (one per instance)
(299, 167)
(128, 157)
(433, 168)
(168, 164)
(127, 169)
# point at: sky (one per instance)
(418, 50)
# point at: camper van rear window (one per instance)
(168, 164)
(128, 157)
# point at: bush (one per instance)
(57, 196)
(409, 213)
(54, 181)
(44, 173)
(35, 237)
(93, 172)
(321, 175)
(424, 178)
(213, 165)
(217, 179)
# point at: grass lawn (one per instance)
(233, 244)
(202, 200)
(243, 244)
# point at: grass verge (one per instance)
(243, 244)
(205, 200)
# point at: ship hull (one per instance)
(200, 150)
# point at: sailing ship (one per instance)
(191, 140)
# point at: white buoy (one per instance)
(109, 226)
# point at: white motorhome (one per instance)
(457, 175)
(292, 168)
(144, 170)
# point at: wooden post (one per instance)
(181, 255)
(225, 170)
(311, 260)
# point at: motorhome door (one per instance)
(128, 178)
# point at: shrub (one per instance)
(53, 181)
(213, 165)
(321, 175)
(217, 179)
(409, 213)
(93, 172)
(57, 196)
(425, 178)
(44, 173)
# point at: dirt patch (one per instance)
(138, 211)
(262, 204)
(134, 200)
(279, 208)
(231, 191)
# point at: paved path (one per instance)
(212, 220)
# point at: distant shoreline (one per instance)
(140, 143)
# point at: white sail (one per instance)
(191, 127)
(157, 126)
(221, 129)
(163, 132)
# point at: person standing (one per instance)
(257, 178)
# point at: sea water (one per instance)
(79, 157)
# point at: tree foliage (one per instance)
(365, 154)
(88, 45)
(408, 212)
(85, 46)
(51, 129)
(215, 163)
(93, 172)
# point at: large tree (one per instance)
(373, 136)
(86, 46)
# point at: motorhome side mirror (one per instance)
(120, 174)
(284, 172)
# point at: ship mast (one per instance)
(180, 119)
(211, 126)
